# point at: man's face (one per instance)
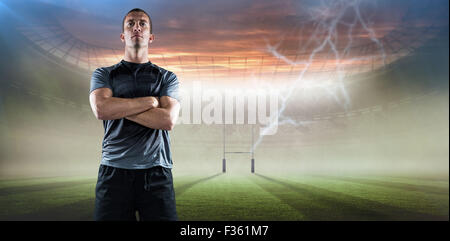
(136, 31)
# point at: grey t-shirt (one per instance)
(127, 144)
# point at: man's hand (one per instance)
(155, 101)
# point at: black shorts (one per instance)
(120, 193)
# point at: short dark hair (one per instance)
(137, 10)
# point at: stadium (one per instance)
(362, 114)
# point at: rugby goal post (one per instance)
(225, 152)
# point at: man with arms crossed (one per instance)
(138, 102)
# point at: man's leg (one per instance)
(114, 194)
(155, 196)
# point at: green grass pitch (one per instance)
(246, 197)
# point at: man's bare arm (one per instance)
(106, 107)
(163, 117)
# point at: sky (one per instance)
(207, 39)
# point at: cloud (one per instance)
(202, 35)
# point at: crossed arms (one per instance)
(152, 112)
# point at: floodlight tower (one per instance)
(224, 161)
